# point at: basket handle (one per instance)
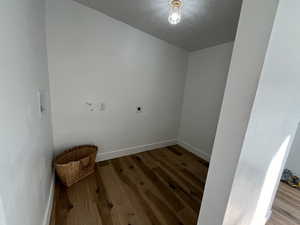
(85, 162)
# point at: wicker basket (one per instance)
(75, 164)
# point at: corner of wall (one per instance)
(197, 151)
(183, 94)
(49, 207)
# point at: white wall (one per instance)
(25, 136)
(293, 161)
(261, 143)
(248, 56)
(93, 57)
(273, 123)
(205, 83)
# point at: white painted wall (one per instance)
(25, 136)
(204, 89)
(248, 56)
(273, 123)
(293, 161)
(261, 143)
(95, 58)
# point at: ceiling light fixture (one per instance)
(175, 11)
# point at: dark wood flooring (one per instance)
(286, 207)
(159, 187)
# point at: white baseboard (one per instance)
(268, 216)
(106, 155)
(197, 151)
(50, 202)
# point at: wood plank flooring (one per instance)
(159, 187)
(286, 207)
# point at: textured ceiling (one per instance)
(204, 23)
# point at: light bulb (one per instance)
(175, 12)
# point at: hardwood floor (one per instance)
(159, 187)
(286, 207)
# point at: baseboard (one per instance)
(106, 155)
(268, 216)
(50, 202)
(197, 151)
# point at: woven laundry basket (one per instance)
(76, 163)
